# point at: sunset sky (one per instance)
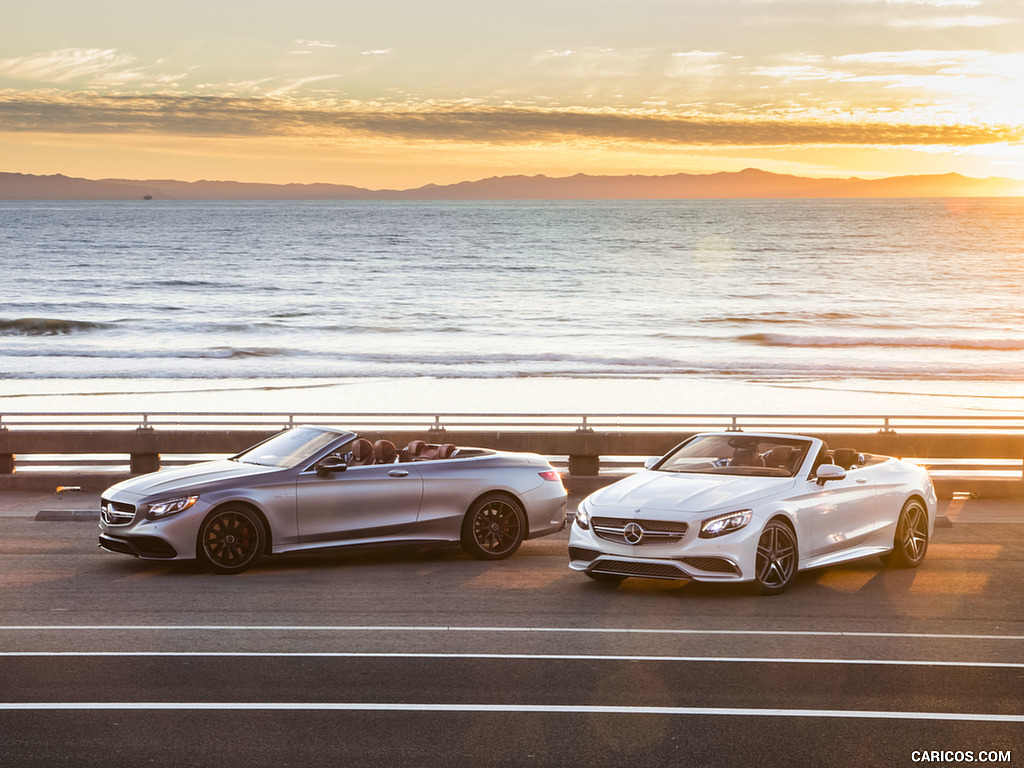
(397, 93)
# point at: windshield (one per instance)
(737, 455)
(288, 448)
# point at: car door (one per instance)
(358, 503)
(842, 512)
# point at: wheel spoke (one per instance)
(775, 559)
(914, 533)
(231, 540)
(496, 527)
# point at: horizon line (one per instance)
(749, 183)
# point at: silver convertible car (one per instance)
(737, 506)
(311, 488)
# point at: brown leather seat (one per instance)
(384, 452)
(361, 453)
(847, 457)
(746, 457)
(413, 451)
(780, 457)
(431, 452)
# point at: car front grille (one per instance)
(639, 533)
(636, 568)
(116, 513)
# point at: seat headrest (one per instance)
(747, 457)
(362, 452)
(847, 457)
(780, 456)
(414, 450)
(384, 452)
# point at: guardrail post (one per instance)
(144, 463)
(437, 426)
(584, 465)
(144, 457)
(6, 459)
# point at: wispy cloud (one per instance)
(298, 84)
(66, 64)
(316, 44)
(949, 22)
(281, 117)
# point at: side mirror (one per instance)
(651, 462)
(828, 472)
(329, 465)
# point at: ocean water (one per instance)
(750, 306)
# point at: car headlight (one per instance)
(170, 507)
(723, 524)
(583, 516)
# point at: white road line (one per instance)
(506, 708)
(561, 630)
(509, 656)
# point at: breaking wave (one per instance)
(891, 342)
(44, 326)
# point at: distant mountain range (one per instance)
(750, 183)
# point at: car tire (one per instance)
(493, 528)
(231, 540)
(775, 563)
(910, 542)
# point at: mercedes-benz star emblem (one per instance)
(633, 533)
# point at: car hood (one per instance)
(190, 478)
(683, 492)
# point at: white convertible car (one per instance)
(738, 506)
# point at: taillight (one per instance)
(551, 475)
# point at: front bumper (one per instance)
(690, 558)
(124, 529)
(147, 547)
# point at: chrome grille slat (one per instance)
(116, 513)
(654, 532)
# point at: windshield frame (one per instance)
(717, 453)
(291, 447)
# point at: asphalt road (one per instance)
(429, 658)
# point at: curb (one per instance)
(66, 515)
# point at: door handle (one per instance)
(398, 473)
(862, 479)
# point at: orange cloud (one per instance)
(263, 117)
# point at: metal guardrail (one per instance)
(588, 444)
(519, 421)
